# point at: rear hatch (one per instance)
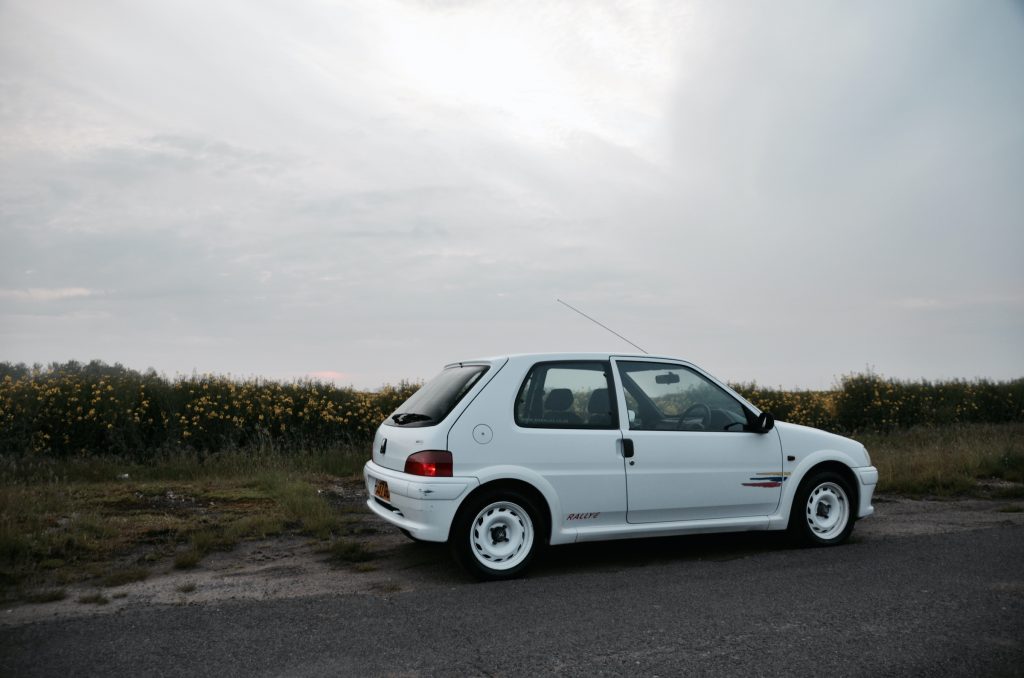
(422, 422)
(392, 445)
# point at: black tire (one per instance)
(823, 511)
(497, 534)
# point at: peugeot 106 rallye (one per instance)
(503, 456)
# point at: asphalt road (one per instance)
(743, 605)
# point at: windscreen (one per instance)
(436, 398)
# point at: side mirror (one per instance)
(765, 423)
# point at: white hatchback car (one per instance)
(502, 456)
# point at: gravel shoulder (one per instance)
(292, 567)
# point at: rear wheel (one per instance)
(496, 534)
(822, 513)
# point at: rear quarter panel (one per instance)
(553, 461)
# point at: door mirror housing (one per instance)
(765, 422)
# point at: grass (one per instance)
(258, 526)
(64, 529)
(345, 551)
(187, 587)
(975, 460)
(186, 560)
(175, 466)
(46, 596)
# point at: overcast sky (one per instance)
(364, 191)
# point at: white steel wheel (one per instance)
(497, 533)
(822, 512)
(827, 511)
(501, 535)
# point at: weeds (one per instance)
(302, 505)
(950, 460)
(201, 543)
(258, 526)
(46, 596)
(181, 466)
(346, 551)
(186, 560)
(122, 577)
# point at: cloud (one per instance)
(37, 294)
(388, 186)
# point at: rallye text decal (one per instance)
(768, 479)
(582, 516)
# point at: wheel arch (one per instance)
(821, 461)
(517, 485)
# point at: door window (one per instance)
(567, 395)
(663, 396)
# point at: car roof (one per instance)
(565, 355)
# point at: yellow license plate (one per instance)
(381, 490)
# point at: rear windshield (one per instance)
(437, 397)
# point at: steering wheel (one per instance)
(705, 415)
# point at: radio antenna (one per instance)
(601, 325)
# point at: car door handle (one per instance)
(627, 448)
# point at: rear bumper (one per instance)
(868, 478)
(423, 506)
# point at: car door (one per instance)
(692, 457)
(567, 431)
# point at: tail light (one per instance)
(433, 463)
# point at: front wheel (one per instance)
(822, 513)
(496, 534)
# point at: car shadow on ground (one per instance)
(636, 553)
(432, 564)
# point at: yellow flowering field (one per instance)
(862, 403)
(76, 409)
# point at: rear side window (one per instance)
(567, 395)
(438, 397)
